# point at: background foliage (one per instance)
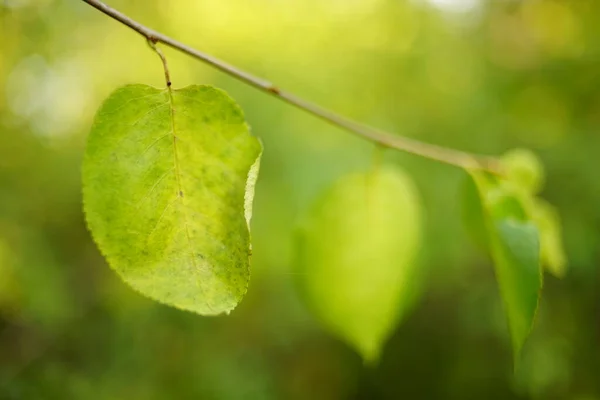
(478, 76)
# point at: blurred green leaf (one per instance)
(515, 249)
(356, 253)
(168, 186)
(524, 177)
(548, 222)
(524, 169)
(516, 256)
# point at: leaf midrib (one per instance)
(180, 193)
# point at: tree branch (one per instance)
(431, 151)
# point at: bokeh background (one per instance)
(476, 75)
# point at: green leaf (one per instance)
(516, 254)
(356, 256)
(515, 249)
(523, 178)
(168, 181)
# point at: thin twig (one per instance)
(446, 155)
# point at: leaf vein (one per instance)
(180, 197)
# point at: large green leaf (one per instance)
(515, 247)
(356, 256)
(168, 181)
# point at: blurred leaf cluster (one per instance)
(475, 75)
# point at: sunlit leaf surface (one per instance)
(166, 180)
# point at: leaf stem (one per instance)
(158, 51)
(442, 154)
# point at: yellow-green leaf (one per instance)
(166, 178)
(552, 249)
(524, 169)
(356, 256)
(524, 176)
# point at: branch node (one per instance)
(274, 89)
